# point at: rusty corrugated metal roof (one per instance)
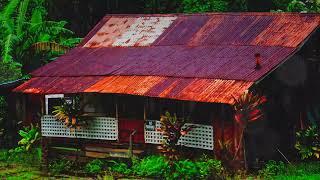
(192, 89)
(202, 57)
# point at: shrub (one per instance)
(272, 168)
(18, 155)
(120, 167)
(204, 168)
(303, 169)
(152, 166)
(4, 154)
(308, 143)
(209, 167)
(94, 167)
(60, 165)
(184, 169)
(30, 136)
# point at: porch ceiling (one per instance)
(191, 89)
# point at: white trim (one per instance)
(48, 96)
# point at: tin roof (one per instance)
(215, 49)
(192, 89)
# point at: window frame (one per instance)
(51, 96)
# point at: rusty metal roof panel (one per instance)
(190, 89)
(215, 62)
(54, 85)
(203, 57)
(130, 31)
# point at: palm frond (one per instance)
(7, 26)
(7, 49)
(9, 9)
(50, 27)
(21, 17)
(49, 46)
(36, 16)
(71, 42)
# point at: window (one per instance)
(99, 104)
(131, 107)
(53, 100)
(153, 109)
(198, 113)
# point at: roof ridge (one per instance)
(217, 13)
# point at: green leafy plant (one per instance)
(60, 165)
(297, 6)
(151, 166)
(120, 168)
(308, 143)
(94, 167)
(4, 154)
(209, 167)
(272, 168)
(172, 129)
(196, 6)
(30, 136)
(19, 155)
(25, 32)
(70, 113)
(185, 169)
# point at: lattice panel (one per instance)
(153, 137)
(200, 137)
(100, 128)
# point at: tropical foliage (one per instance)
(297, 5)
(27, 39)
(30, 136)
(159, 167)
(308, 143)
(70, 113)
(172, 129)
(247, 109)
(94, 166)
(151, 166)
(192, 6)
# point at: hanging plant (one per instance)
(172, 129)
(247, 110)
(70, 113)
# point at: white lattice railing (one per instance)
(105, 128)
(199, 137)
(153, 137)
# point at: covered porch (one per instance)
(117, 117)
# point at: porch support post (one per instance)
(145, 109)
(116, 102)
(45, 154)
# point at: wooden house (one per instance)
(132, 68)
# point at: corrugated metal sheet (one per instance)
(138, 31)
(266, 29)
(191, 89)
(217, 62)
(203, 57)
(54, 85)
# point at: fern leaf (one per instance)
(21, 16)
(50, 27)
(8, 26)
(71, 42)
(7, 49)
(9, 9)
(36, 16)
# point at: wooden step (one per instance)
(107, 149)
(105, 152)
